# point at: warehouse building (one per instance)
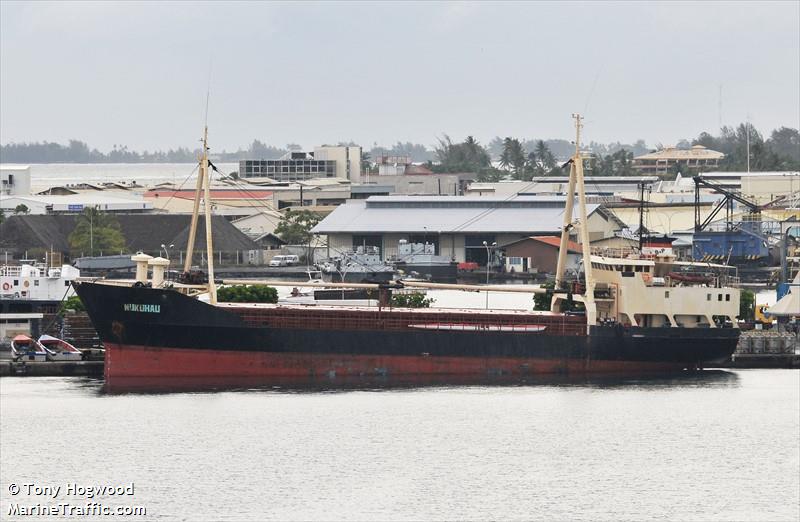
(457, 225)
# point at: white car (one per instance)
(287, 260)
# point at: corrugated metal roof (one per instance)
(433, 214)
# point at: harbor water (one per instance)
(713, 445)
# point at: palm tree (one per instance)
(546, 159)
(505, 156)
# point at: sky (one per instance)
(138, 74)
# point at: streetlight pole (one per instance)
(488, 259)
(91, 232)
(166, 252)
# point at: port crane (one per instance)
(726, 202)
(745, 242)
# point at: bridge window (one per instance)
(719, 297)
(708, 297)
(727, 297)
(666, 294)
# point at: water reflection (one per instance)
(141, 385)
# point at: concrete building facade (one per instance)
(15, 180)
(325, 162)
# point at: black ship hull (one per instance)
(163, 333)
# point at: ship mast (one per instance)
(576, 181)
(204, 185)
(212, 288)
(187, 264)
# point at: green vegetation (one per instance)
(79, 152)
(412, 300)
(21, 209)
(747, 305)
(73, 303)
(781, 151)
(96, 232)
(247, 294)
(469, 156)
(295, 226)
(541, 302)
(619, 163)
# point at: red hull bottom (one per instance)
(140, 361)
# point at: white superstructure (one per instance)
(640, 289)
(37, 282)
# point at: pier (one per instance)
(51, 368)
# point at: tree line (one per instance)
(79, 152)
(524, 160)
(501, 158)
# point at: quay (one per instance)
(51, 368)
(767, 360)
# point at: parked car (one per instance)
(284, 260)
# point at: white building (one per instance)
(325, 162)
(15, 180)
(76, 203)
(348, 160)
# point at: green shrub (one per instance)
(412, 300)
(247, 294)
(747, 305)
(73, 303)
(542, 301)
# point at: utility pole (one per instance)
(641, 216)
(91, 231)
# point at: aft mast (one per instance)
(212, 287)
(576, 181)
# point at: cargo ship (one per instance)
(629, 313)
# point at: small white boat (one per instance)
(23, 348)
(59, 350)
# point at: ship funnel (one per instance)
(159, 265)
(141, 260)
